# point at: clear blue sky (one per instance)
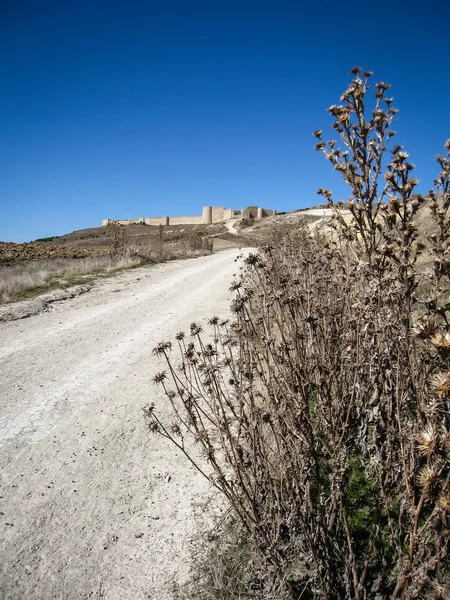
(122, 109)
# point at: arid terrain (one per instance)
(92, 505)
(93, 240)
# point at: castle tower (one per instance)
(207, 215)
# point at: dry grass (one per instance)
(38, 275)
(21, 279)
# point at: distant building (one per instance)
(210, 214)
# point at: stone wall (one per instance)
(250, 212)
(217, 214)
(185, 220)
(138, 221)
(210, 214)
(156, 221)
(256, 212)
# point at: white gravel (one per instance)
(92, 505)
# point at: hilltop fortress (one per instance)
(210, 214)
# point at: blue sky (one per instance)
(121, 109)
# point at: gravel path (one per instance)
(92, 505)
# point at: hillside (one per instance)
(239, 233)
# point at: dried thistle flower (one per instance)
(425, 327)
(444, 502)
(441, 340)
(153, 427)
(202, 436)
(196, 329)
(441, 384)
(429, 480)
(427, 441)
(175, 429)
(159, 377)
(235, 286)
(162, 348)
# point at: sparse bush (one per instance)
(322, 409)
(44, 239)
(116, 236)
(158, 250)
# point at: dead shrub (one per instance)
(116, 236)
(322, 408)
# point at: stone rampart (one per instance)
(185, 220)
(256, 212)
(210, 214)
(157, 221)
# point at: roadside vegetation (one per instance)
(320, 410)
(33, 277)
(23, 274)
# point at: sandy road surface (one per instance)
(92, 505)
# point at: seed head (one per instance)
(441, 384)
(429, 480)
(444, 502)
(196, 329)
(154, 427)
(441, 340)
(202, 436)
(235, 286)
(159, 377)
(162, 348)
(175, 429)
(428, 441)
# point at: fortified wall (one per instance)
(210, 215)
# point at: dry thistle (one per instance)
(441, 340)
(196, 329)
(175, 429)
(159, 377)
(425, 327)
(429, 480)
(444, 502)
(162, 348)
(327, 322)
(428, 441)
(441, 384)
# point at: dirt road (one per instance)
(92, 505)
